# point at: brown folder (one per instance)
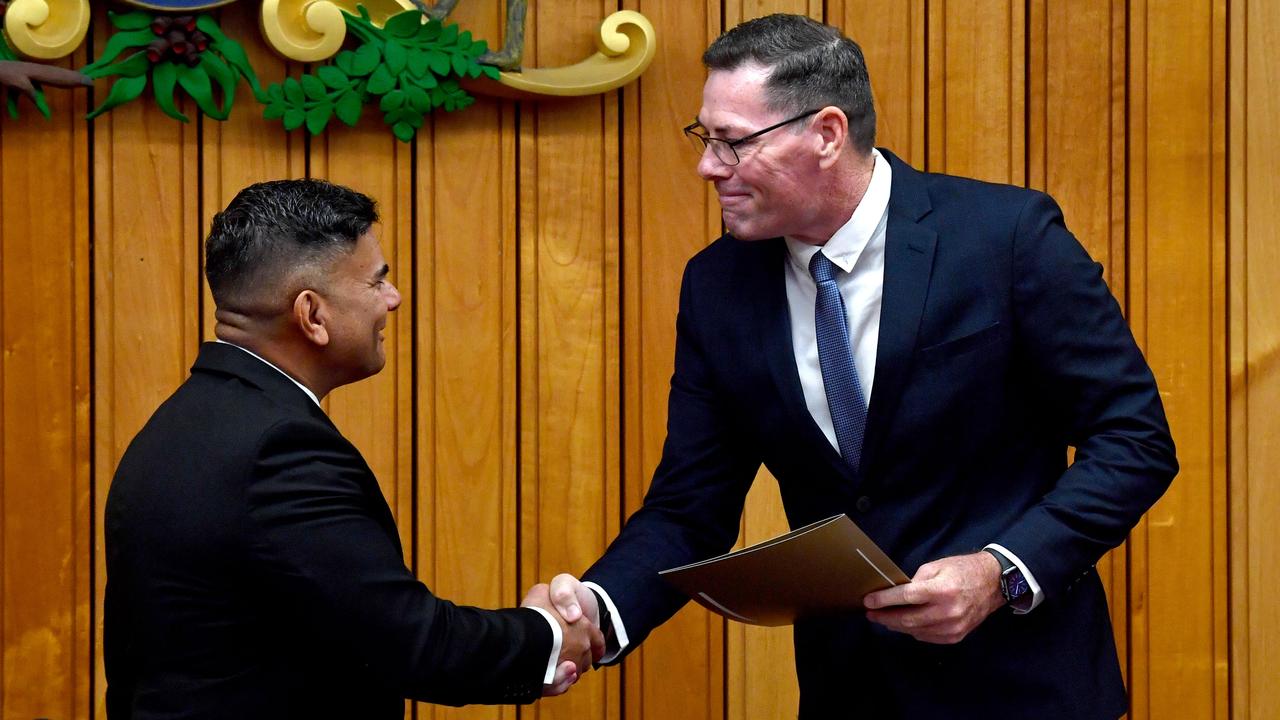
(820, 569)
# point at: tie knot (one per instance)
(821, 268)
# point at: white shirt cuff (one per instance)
(619, 630)
(557, 639)
(1036, 596)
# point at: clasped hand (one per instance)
(945, 600)
(575, 608)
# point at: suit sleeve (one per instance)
(694, 504)
(321, 548)
(1102, 394)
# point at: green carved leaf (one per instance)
(439, 62)
(418, 99)
(403, 131)
(396, 56)
(237, 58)
(490, 71)
(333, 77)
(131, 21)
(122, 91)
(133, 66)
(449, 35)
(293, 119)
(345, 62)
(381, 81)
(165, 78)
(366, 60)
(461, 64)
(117, 44)
(314, 88)
(418, 63)
(348, 108)
(273, 110)
(427, 81)
(318, 117)
(195, 80)
(222, 74)
(293, 92)
(392, 101)
(429, 31)
(404, 25)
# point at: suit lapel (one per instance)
(908, 266)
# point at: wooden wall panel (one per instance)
(45, 533)
(977, 80)
(569, 322)
(146, 288)
(465, 361)
(1176, 244)
(539, 248)
(669, 214)
(1254, 332)
(892, 36)
(1075, 151)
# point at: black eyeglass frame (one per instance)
(707, 140)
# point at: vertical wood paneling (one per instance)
(569, 320)
(1175, 245)
(1075, 153)
(539, 248)
(465, 366)
(1254, 333)
(891, 35)
(670, 213)
(976, 89)
(45, 533)
(146, 288)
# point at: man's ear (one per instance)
(311, 315)
(833, 133)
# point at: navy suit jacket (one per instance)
(1000, 347)
(254, 571)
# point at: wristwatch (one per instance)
(1013, 584)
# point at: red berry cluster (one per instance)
(177, 39)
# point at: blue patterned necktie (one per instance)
(835, 355)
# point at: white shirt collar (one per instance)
(846, 245)
(304, 388)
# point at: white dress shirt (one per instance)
(557, 638)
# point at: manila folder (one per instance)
(820, 569)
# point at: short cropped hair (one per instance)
(811, 66)
(273, 230)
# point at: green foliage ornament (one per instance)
(410, 66)
(189, 52)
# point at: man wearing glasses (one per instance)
(917, 351)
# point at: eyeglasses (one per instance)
(727, 150)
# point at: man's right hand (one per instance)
(582, 642)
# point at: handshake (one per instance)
(574, 607)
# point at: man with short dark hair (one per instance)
(919, 352)
(253, 566)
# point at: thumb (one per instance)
(564, 596)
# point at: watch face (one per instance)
(1015, 584)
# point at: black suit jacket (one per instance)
(1000, 346)
(254, 571)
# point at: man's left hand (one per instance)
(945, 600)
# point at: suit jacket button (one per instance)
(863, 504)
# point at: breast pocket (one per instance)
(969, 344)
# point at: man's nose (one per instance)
(711, 167)
(393, 297)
